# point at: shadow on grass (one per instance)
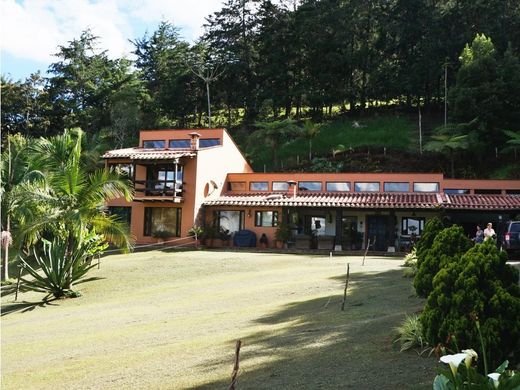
(315, 345)
(24, 307)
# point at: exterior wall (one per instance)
(211, 165)
(473, 185)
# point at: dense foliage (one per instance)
(475, 286)
(269, 61)
(447, 247)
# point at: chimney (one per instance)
(292, 191)
(194, 144)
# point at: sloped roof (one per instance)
(366, 200)
(149, 154)
(328, 199)
(482, 202)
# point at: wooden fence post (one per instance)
(236, 366)
(346, 286)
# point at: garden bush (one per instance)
(480, 287)
(433, 227)
(448, 246)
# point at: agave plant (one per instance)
(60, 269)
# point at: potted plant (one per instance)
(224, 236)
(209, 235)
(196, 232)
(281, 235)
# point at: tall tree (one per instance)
(161, 61)
(230, 34)
(16, 170)
(82, 83)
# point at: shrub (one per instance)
(479, 286)
(433, 227)
(196, 230)
(410, 261)
(61, 269)
(411, 333)
(448, 246)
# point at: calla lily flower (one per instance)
(470, 356)
(495, 377)
(454, 361)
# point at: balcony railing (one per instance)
(171, 188)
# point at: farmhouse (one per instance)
(185, 177)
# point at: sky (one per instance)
(32, 30)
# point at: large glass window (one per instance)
(280, 186)
(396, 187)
(455, 191)
(179, 143)
(366, 187)
(338, 186)
(309, 185)
(208, 142)
(230, 220)
(162, 178)
(425, 187)
(259, 186)
(123, 213)
(266, 218)
(164, 221)
(153, 144)
(412, 225)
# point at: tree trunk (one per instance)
(5, 264)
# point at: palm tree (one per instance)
(310, 131)
(75, 199)
(16, 173)
(273, 135)
(447, 144)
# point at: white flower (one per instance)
(453, 361)
(495, 377)
(470, 356)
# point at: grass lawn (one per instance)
(161, 320)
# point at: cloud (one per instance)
(33, 29)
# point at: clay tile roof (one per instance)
(483, 202)
(327, 199)
(149, 154)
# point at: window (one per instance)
(266, 218)
(280, 186)
(259, 186)
(488, 192)
(236, 186)
(153, 144)
(412, 225)
(425, 187)
(179, 143)
(123, 169)
(309, 185)
(366, 187)
(162, 219)
(396, 187)
(455, 191)
(163, 178)
(513, 192)
(124, 214)
(230, 220)
(208, 142)
(338, 186)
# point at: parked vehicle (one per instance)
(510, 237)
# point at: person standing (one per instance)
(489, 232)
(479, 235)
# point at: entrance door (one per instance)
(377, 227)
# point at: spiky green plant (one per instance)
(411, 334)
(60, 269)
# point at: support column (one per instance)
(339, 230)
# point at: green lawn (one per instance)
(161, 320)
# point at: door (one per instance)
(377, 227)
